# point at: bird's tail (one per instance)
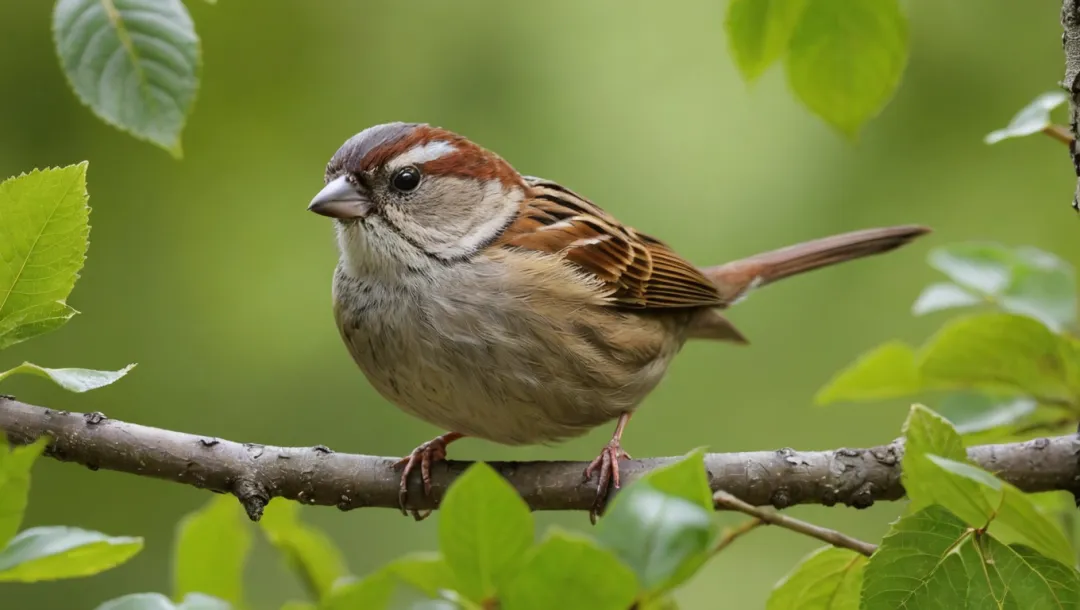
(737, 278)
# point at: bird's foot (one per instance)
(424, 456)
(607, 465)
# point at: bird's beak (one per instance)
(340, 199)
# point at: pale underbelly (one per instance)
(512, 389)
(472, 351)
(509, 422)
(508, 406)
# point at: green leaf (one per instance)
(53, 553)
(661, 603)
(33, 321)
(139, 601)
(944, 295)
(73, 380)
(1013, 515)
(983, 267)
(1001, 352)
(157, 601)
(135, 63)
(407, 598)
(298, 605)
(1031, 118)
(927, 432)
(1044, 287)
(308, 551)
(1053, 503)
(373, 592)
(588, 577)
(419, 581)
(919, 561)
(931, 559)
(826, 579)
(1022, 280)
(198, 601)
(1043, 421)
(886, 371)
(1023, 567)
(759, 31)
(971, 413)
(427, 572)
(663, 538)
(15, 468)
(212, 544)
(684, 479)
(935, 471)
(846, 57)
(424, 604)
(43, 241)
(484, 530)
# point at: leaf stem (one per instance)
(723, 499)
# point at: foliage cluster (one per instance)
(967, 539)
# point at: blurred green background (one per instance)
(211, 275)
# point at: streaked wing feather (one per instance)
(638, 271)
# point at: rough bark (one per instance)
(257, 473)
(1070, 40)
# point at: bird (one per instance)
(508, 307)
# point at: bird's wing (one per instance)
(636, 270)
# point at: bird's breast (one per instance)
(516, 362)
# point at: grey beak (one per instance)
(340, 199)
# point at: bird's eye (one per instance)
(406, 179)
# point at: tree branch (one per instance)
(315, 475)
(1070, 40)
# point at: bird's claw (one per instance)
(607, 465)
(424, 455)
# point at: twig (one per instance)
(1059, 133)
(732, 534)
(316, 475)
(833, 537)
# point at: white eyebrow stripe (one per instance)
(422, 154)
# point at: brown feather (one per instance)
(638, 271)
(469, 160)
(641, 272)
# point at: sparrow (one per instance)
(510, 308)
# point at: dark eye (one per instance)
(406, 179)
